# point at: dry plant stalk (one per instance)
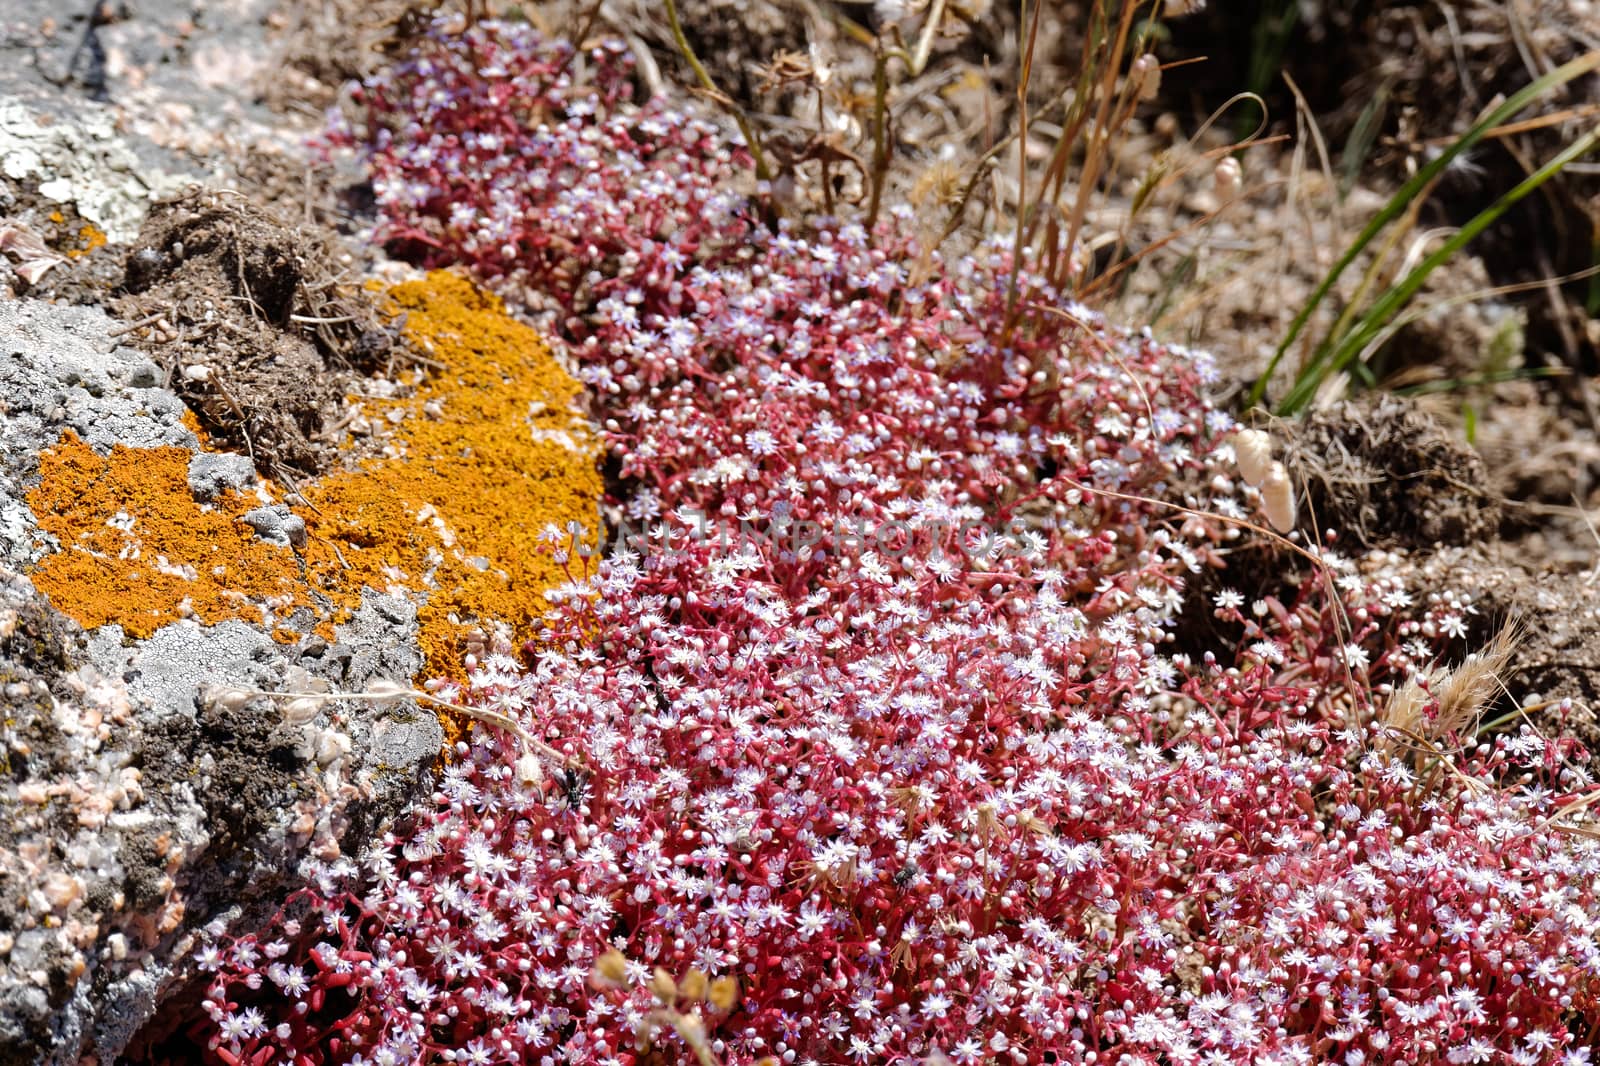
(1458, 696)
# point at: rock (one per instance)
(82, 162)
(134, 814)
(61, 370)
(277, 525)
(213, 473)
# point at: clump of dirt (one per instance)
(1385, 474)
(254, 324)
(50, 252)
(1554, 670)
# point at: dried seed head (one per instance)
(1253, 450)
(691, 1028)
(724, 993)
(1277, 498)
(1465, 691)
(1229, 176)
(1146, 76)
(301, 710)
(226, 697)
(611, 970)
(663, 986)
(1403, 715)
(383, 690)
(694, 985)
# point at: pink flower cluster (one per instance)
(937, 781)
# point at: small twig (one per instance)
(148, 320)
(918, 60)
(1014, 281)
(294, 487)
(578, 38)
(982, 167)
(244, 419)
(397, 692)
(701, 75)
(880, 135)
(432, 364)
(505, 722)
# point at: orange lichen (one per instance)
(138, 550)
(90, 237)
(191, 422)
(481, 459)
(488, 454)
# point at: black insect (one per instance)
(575, 786)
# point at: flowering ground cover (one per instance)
(878, 739)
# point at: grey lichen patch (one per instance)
(82, 161)
(213, 473)
(278, 525)
(61, 368)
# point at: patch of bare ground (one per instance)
(1553, 674)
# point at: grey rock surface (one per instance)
(110, 116)
(213, 473)
(138, 808)
(145, 801)
(135, 807)
(277, 525)
(61, 370)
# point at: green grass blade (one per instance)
(1377, 317)
(1397, 204)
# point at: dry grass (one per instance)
(1437, 712)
